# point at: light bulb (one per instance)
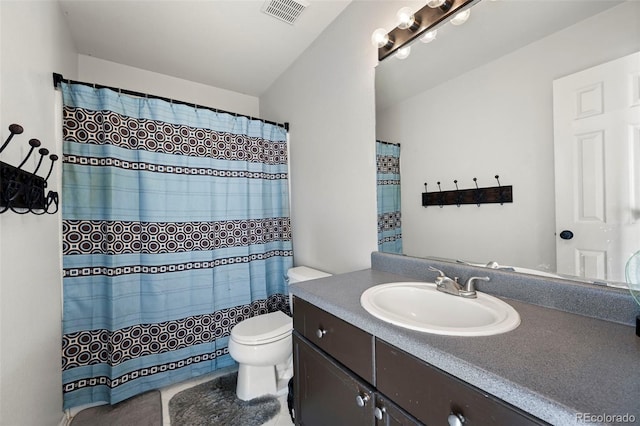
(461, 17)
(428, 37)
(380, 38)
(435, 3)
(403, 52)
(405, 18)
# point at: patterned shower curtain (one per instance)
(175, 227)
(388, 184)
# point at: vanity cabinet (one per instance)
(345, 376)
(436, 397)
(329, 394)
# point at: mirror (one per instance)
(478, 102)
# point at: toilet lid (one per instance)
(262, 328)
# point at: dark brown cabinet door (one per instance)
(326, 393)
(432, 395)
(387, 413)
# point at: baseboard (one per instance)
(66, 419)
(70, 413)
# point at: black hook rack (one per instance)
(22, 191)
(487, 195)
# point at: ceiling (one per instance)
(229, 44)
(233, 45)
(494, 29)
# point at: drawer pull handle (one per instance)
(320, 332)
(379, 412)
(456, 419)
(362, 400)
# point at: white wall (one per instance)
(496, 119)
(100, 71)
(34, 43)
(328, 97)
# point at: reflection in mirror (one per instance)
(479, 102)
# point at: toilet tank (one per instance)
(302, 273)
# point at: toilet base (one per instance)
(255, 381)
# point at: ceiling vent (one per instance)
(285, 10)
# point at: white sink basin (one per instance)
(420, 306)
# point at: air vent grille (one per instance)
(284, 10)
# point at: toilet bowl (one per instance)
(258, 344)
(262, 347)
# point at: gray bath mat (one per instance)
(215, 403)
(141, 410)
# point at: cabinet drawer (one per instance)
(344, 342)
(431, 395)
(327, 393)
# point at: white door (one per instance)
(597, 169)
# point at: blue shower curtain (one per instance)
(388, 185)
(175, 227)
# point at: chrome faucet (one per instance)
(491, 265)
(470, 288)
(446, 284)
(452, 286)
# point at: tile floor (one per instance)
(282, 419)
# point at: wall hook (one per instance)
(43, 153)
(425, 191)
(478, 195)
(501, 191)
(23, 191)
(14, 129)
(34, 144)
(53, 159)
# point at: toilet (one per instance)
(262, 346)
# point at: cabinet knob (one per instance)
(379, 412)
(362, 400)
(456, 419)
(321, 332)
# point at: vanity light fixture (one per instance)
(461, 17)
(421, 24)
(380, 38)
(407, 20)
(429, 36)
(437, 3)
(403, 52)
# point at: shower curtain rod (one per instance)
(388, 143)
(58, 78)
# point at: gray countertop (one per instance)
(555, 365)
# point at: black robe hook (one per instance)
(458, 194)
(14, 129)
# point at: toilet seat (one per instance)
(262, 329)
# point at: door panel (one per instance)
(597, 150)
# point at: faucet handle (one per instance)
(470, 286)
(442, 274)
